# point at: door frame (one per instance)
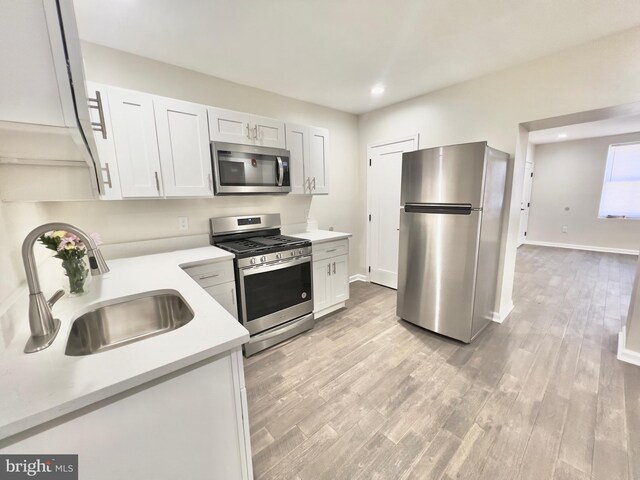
(416, 139)
(523, 239)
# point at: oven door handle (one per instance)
(275, 266)
(280, 171)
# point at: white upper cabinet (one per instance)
(183, 143)
(309, 169)
(318, 171)
(136, 144)
(268, 132)
(298, 145)
(237, 127)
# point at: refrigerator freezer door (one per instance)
(453, 174)
(437, 271)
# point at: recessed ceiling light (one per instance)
(562, 135)
(377, 89)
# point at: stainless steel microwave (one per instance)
(248, 169)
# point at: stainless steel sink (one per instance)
(127, 320)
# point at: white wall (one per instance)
(598, 74)
(569, 175)
(124, 221)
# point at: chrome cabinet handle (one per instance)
(248, 134)
(233, 296)
(255, 132)
(334, 268)
(331, 250)
(107, 170)
(157, 181)
(308, 182)
(209, 276)
(99, 126)
(329, 269)
(314, 183)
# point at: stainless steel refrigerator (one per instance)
(450, 227)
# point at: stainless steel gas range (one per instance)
(273, 277)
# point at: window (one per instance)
(621, 188)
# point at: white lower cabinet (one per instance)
(330, 277)
(218, 280)
(225, 295)
(189, 424)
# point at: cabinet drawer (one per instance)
(212, 273)
(330, 249)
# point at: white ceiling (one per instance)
(331, 52)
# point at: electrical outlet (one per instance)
(183, 223)
(565, 229)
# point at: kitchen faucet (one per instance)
(44, 327)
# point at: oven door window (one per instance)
(275, 290)
(243, 169)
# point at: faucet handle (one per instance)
(96, 262)
(55, 297)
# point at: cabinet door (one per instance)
(105, 145)
(225, 295)
(183, 143)
(298, 145)
(320, 285)
(268, 132)
(229, 126)
(136, 144)
(339, 279)
(318, 168)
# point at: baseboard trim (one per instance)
(503, 314)
(358, 277)
(625, 355)
(328, 310)
(590, 248)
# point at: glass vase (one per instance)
(76, 276)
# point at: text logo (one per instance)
(49, 467)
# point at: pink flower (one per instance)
(68, 241)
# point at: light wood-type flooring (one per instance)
(542, 396)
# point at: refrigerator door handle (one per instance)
(442, 208)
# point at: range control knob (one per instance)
(278, 256)
(292, 253)
(253, 261)
(263, 258)
(300, 252)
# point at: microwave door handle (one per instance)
(280, 171)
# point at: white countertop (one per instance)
(41, 386)
(319, 236)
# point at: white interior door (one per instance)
(525, 203)
(383, 198)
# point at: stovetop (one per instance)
(260, 245)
